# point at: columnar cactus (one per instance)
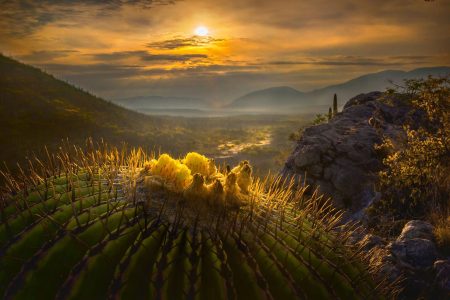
(335, 107)
(109, 224)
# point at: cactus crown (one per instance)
(121, 224)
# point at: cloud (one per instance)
(46, 55)
(325, 62)
(118, 55)
(222, 68)
(356, 61)
(298, 15)
(115, 71)
(95, 71)
(412, 59)
(19, 18)
(176, 43)
(173, 57)
(146, 56)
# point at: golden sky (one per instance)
(124, 48)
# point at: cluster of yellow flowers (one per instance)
(198, 163)
(197, 178)
(171, 170)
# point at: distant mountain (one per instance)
(371, 82)
(142, 103)
(283, 96)
(284, 99)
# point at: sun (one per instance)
(201, 31)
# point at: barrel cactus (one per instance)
(108, 223)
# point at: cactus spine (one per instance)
(91, 230)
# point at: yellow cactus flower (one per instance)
(196, 192)
(244, 178)
(198, 163)
(216, 193)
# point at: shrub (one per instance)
(442, 233)
(440, 218)
(417, 175)
(320, 119)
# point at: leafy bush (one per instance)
(417, 174)
(320, 119)
(295, 136)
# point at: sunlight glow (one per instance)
(201, 31)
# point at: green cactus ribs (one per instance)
(105, 223)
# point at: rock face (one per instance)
(341, 159)
(339, 156)
(411, 257)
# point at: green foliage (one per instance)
(98, 233)
(295, 136)
(417, 174)
(320, 119)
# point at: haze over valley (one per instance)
(277, 100)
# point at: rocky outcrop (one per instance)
(411, 260)
(339, 156)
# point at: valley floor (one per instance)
(261, 139)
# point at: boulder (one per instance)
(416, 253)
(417, 229)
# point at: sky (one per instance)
(126, 48)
